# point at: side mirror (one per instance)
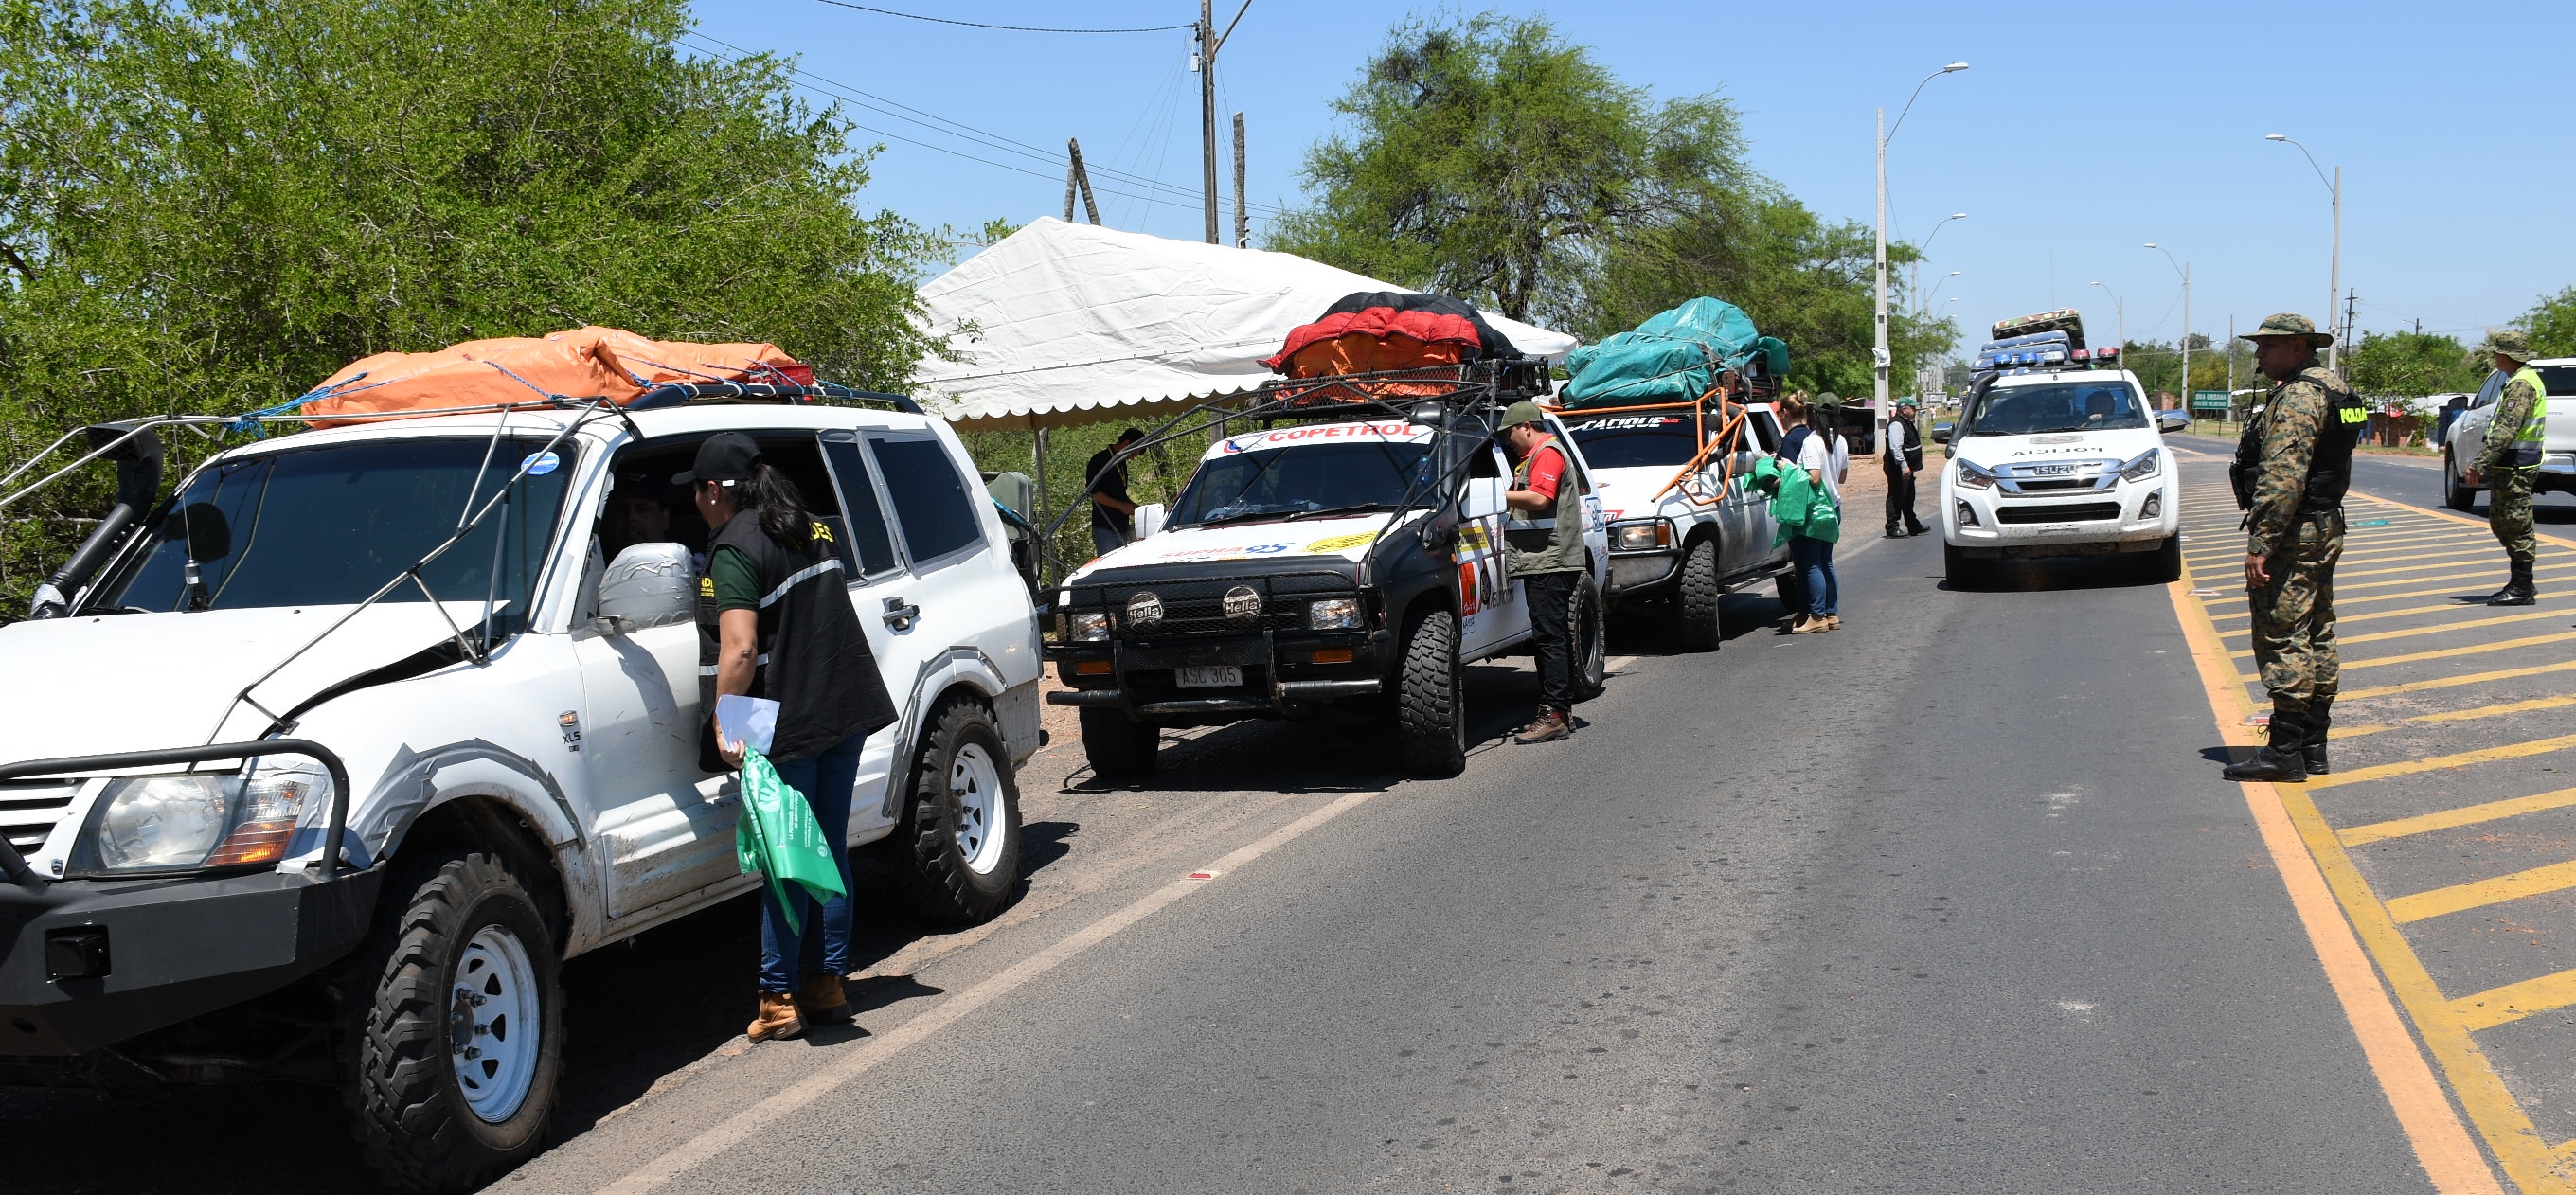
(1149, 520)
(1483, 498)
(648, 585)
(1426, 414)
(2173, 421)
(1941, 432)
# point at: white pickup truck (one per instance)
(1679, 542)
(321, 766)
(2059, 462)
(2468, 434)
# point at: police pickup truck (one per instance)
(319, 767)
(2467, 436)
(2056, 453)
(1342, 562)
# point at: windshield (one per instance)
(2087, 406)
(1627, 441)
(1305, 479)
(330, 525)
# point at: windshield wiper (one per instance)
(1352, 509)
(1243, 516)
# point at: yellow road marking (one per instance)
(2452, 819)
(2467, 715)
(2342, 601)
(2319, 878)
(2437, 763)
(2478, 649)
(2446, 682)
(2457, 517)
(2556, 877)
(2423, 568)
(2354, 544)
(2514, 1001)
(2435, 629)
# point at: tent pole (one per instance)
(1037, 452)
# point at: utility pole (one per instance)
(1242, 217)
(2352, 299)
(1210, 41)
(2334, 272)
(1075, 176)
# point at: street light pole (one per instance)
(2123, 327)
(1881, 356)
(1923, 306)
(2334, 266)
(2183, 268)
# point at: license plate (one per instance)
(1221, 676)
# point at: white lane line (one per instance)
(746, 1124)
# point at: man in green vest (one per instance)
(2510, 458)
(1543, 546)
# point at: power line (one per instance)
(956, 128)
(910, 16)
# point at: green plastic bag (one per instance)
(777, 837)
(1824, 518)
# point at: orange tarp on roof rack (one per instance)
(587, 362)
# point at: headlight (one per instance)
(1639, 537)
(156, 823)
(1084, 628)
(1975, 478)
(2148, 464)
(1333, 614)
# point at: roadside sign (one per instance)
(2209, 400)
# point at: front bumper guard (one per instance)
(88, 963)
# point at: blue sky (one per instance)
(2079, 133)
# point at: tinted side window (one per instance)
(859, 498)
(1765, 432)
(930, 499)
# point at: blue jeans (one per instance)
(825, 781)
(1814, 560)
(1105, 540)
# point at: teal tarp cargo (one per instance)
(1673, 357)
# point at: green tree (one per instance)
(2552, 324)
(2411, 365)
(211, 205)
(1490, 159)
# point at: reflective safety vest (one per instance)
(2526, 439)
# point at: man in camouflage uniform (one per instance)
(2509, 459)
(2292, 468)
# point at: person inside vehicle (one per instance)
(2098, 405)
(775, 621)
(637, 513)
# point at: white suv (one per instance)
(446, 746)
(2468, 435)
(2060, 462)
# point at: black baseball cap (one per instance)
(726, 456)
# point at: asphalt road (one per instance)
(1952, 900)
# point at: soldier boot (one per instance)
(2517, 591)
(2280, 759)
(2320, 715)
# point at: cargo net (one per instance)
(1495, 380)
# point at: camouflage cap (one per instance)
(2290, 324)
(1522, 412)
(2509, 342)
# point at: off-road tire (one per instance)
(1962, 571)
(2165, 566)
(933, 875)
(1698, 625)
(407, 1109)
(1591, 652)
(1430, 726)
(1118, 746)
(2455, 495)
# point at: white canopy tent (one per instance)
(1063, 324)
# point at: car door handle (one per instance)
(899, 613)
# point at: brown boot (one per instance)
(1833, 622)
(1806, 625)
(777, 1019)
(822, 1001)
(1550, 726)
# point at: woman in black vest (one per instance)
(775, 621)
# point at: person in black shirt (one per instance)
(1902, 457)
(1113, 513)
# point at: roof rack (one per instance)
(676, 394)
